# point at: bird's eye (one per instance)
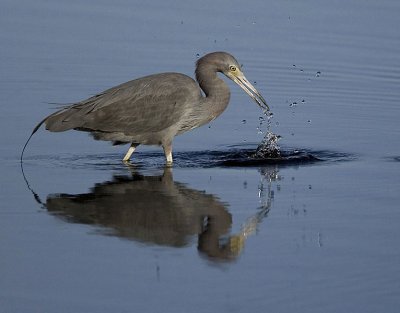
(232, 68)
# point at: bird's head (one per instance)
(225, 63)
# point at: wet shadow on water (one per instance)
(156, 210)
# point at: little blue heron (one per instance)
(152, 110)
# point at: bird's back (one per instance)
(149, 104)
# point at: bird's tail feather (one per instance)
(45, 120)
(70, 117)
(33, 132)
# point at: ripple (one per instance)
(394, 158)
(233, 156)
(247, 158)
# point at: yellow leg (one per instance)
(168, 153)
(129, 153)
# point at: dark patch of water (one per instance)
(394, 158)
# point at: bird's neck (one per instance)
(216, 91)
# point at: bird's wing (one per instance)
(148, 104)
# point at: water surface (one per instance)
(220, 231)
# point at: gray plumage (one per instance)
(152, 110)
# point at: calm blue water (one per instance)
(93, 235)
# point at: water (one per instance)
(312, 230)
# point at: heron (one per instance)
(152, 110)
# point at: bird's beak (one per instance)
(242, 81)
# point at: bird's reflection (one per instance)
(158, 210)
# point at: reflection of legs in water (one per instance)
(158, 210)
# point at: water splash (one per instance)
(268, 148)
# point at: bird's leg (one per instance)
(130, 151)
(168, 153)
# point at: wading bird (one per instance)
(152, 110)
